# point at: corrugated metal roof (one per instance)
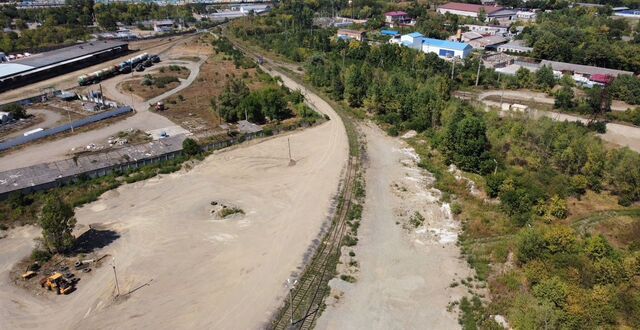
(469, 7)
(584, 69)
(415, 35)
(7, 69)
(67, 53)
(395, 13)
(49, 172)
(445, 44)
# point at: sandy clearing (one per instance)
(404, 274)
(193, 271)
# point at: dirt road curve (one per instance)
(404, 274)
(623, 135)
(541, 98)
(194, 272)
(142, 119)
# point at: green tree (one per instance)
(16, 111)
(564, 98)
(553, 290)
(545, 78)
(524, 78)
(274, 103)
(598, 100)
(530, 246)
(482, 15)
(354, 89)
(234, 91)
(466, 142)
(191, 147)
(57, 221)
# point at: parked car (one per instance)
(140, 67)
(155, 58)
(148, 63)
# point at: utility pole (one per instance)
(478, 74)
(115, 275)
(289, 144)
(453, 67)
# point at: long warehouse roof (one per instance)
(57, 56)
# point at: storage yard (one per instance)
(57, 62)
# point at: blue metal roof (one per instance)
(415, 35)
(389, 32)
(445, 44)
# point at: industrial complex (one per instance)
(49, 64)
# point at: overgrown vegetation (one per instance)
(539, 169)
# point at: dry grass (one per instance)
(191, 108)
(136, 87)
(589, 203)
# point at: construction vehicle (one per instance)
(58, 283)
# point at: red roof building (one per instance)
(397, 18)
(471, 10)
(602, 78)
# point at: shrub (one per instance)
(228, 211)
(191, 147)
(41, 255)
(416, 219)
(530, 246)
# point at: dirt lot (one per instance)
(180, 267)
(405, 271)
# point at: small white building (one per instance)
(412, 40)
(487, 29)
(514, 47)
(526, 15)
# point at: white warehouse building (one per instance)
(446, 49)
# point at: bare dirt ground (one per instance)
(147, 92)
(183, 267)
(405, 272)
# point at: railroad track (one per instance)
(311, 289)
(302, 310)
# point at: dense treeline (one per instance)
(270, 103)
(585, 36)
(75, 20)
(63, 25)
(108, 14)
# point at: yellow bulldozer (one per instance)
(58, 283)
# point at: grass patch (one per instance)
(229, 211)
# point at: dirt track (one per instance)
(192, 271)
(404, 273)
(622, 135)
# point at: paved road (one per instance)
(143, 120)
(623, 135)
